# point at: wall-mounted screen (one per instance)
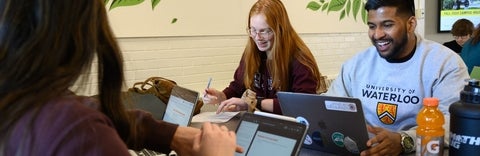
(451, 10)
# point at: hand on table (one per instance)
(215, 141)
(383, 143)
(232, 105)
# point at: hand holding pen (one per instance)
(208, 86)
(211, 95)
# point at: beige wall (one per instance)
(192, 60)
(218, 17)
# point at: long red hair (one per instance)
(287, 47)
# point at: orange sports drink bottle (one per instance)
(430, 132)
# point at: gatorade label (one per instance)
(429, 146)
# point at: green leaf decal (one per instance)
(356, 7)
(348, 8)
(336, 5)
(155, 3)
(174, 20)
(324, 7)
(313, 6)
(119, 3)
(344, 7)
(364, 14)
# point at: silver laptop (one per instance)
(261, 135)
(336, 124)
(181, 106)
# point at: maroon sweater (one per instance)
(72, 125)
(301, 80)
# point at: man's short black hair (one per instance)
(404, 7)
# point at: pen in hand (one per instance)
(208, 86)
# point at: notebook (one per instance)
(475, 74)
(180, 106)
(336, 124)
(261, 135)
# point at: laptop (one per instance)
(336, 124)
(261, 135)
(181, 106)
(146, 102)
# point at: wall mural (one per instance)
(345, 7)
(124, 3)
(119, 3)
(149, 18)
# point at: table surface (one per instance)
(233, 123)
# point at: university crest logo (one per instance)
(387, 113)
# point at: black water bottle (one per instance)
(465, 121)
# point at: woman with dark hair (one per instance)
(471, 50)
(45, 46)
(275, 59)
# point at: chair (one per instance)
(475, 74)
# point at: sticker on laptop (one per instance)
(351, 145)
(337, 138)
(345, 142)
(308, 140)
(341, 106)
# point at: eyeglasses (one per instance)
(265, 33)
(462, 37)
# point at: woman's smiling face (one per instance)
(261, 33)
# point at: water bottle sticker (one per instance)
(341, 106)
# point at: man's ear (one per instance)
(411, 24)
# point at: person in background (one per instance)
(471, 50)
(392, 77)
(461, 31)
(275, 59)
(45, 47)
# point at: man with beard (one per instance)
(392, 77)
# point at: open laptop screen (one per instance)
(260, 136)
(181, 106)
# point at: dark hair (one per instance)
(45, 45)
(462, 27)
(404, 7)
(476, 35)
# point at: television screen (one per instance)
(452, 10)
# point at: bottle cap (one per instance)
(471, 92)
(430, 101)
